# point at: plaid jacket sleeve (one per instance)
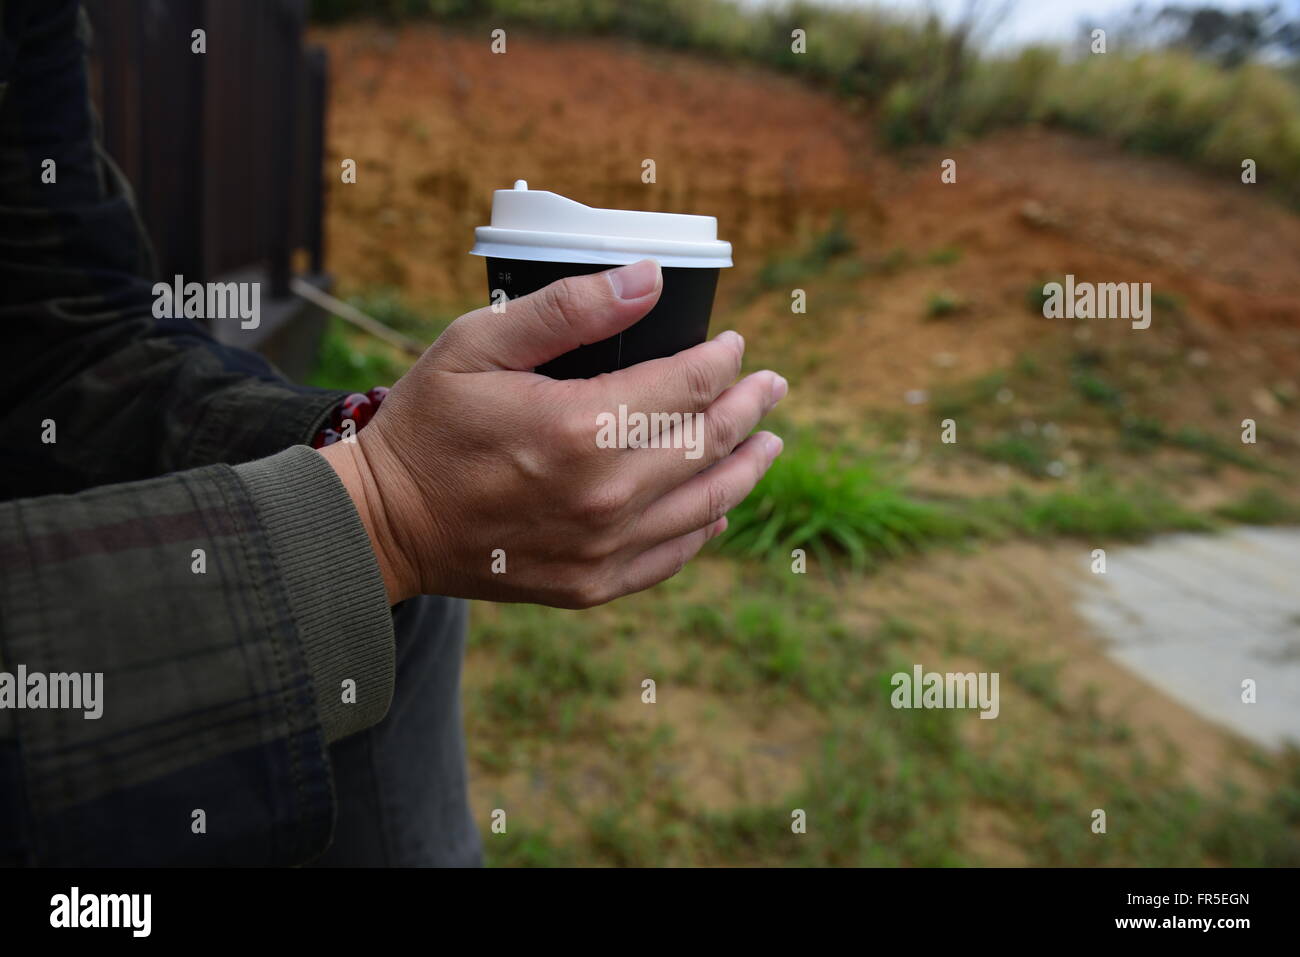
(226, 609)
(131, 396)
(175, 655)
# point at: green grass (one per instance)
(1113, 412)
(773, 644)
(1261, 506)
(1142, 433)
(1097, 390)
(944, 256)
(844, 510)
(880, 786)
(389, 306)
(1096, 510)
(351, 361)
(888, 787)
(890, 263)
(943, 304)
(522, 846)
(824, 503)
(951, 401)
(1036, 298)
(1153, 102)
(812, 260)
(545, 684)
(1212, 447)
(1031, 454)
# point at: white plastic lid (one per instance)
(538, 225)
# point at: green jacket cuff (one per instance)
(334, 584)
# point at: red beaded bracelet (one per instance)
(360, 409)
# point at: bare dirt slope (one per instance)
(436, 122)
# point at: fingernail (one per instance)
(779, 388)
(773, 448)
(718, 528)
(731, 337)
(634, 281)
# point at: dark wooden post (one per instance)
(286, 69)
(317, 102)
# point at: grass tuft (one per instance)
(823, 503)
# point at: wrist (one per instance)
(349, 462)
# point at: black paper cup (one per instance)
(537, 237)
(679, 320)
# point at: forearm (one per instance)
(239, 622)
(136, 400)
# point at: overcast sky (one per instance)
(1035, 21)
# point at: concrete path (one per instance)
(1196, 615)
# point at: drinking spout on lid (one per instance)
(521, 184)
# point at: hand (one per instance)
(473, 452)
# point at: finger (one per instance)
(556, 319)
(686, 382)
(711, 494)
(667, 559)
(706, 437)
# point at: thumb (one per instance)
(556, 319)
